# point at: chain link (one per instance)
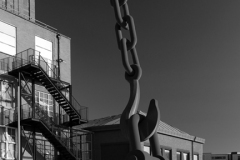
(125, 45)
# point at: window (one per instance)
(146, 149)
(195, 157)
(167, 153)
(45, 102)
(7, 143)
(178, 155)
(6, 93)
(185, 156)
(45, 49)
(7, 38)
(11, 135)
(11, 143)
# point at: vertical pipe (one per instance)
(34, 145)
(71, 140)
(33, 98)
(59, 114)
(193, 147)
(19, 118)
(58, 60)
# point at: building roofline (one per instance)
(34, 21)
(163, 128)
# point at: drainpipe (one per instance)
(58, 76)
(59, 59)
(194, 140)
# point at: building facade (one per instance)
(38, 110)
(230, 156)
(109, 143)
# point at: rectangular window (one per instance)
(6, 93)
(195, 157)
(11, 135)
(7, 144)
(178, 155)
(168, 154)
(45, 49)
(11, 151)
(146, 149)
(45, 102)
(185, 156)
(7, 38)
(3, 150)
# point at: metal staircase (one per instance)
(58, 136)
(35, 70)
(54, 90)
(33, 66)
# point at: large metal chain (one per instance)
(134, 125)
(126, 22)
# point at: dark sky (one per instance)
(189, 53)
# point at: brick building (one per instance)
(52, 124)
(109, 143)
(35, 83)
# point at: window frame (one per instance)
(148, 146)
(182, 152)
(14, 36)
(163, 148)
(196, 154)
(41, 96)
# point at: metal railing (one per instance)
(79, 142)
(43, 147)
(62, 134)
(31, 56)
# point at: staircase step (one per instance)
(60, 98)
(48, 86)
(63, 104)
(40, 76)
(51, 90)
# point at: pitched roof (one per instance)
(163, 128)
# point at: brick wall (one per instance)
(110, 135)
(26, 32)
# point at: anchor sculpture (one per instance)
(135, 126)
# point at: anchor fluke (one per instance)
(149, 123)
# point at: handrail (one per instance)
(74, 147)
(31, 56)
(57, 131)
(40, 147)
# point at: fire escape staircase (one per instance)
(47, 127)
(31, 62)
(32, 65)
(54, 90)
(61, 143)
